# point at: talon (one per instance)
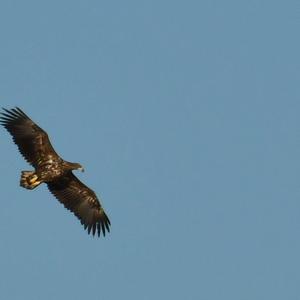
(34, 184)
(33, 179)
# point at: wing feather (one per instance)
(32, 141)
(82, 201)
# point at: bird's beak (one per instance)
(81, 169)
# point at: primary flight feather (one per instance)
(34, 144)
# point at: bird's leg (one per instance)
(32, 179)
(35, 184)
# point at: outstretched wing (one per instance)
(82, 201)
(32, 141)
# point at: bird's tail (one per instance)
(29, 180)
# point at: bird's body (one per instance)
(50, 168)
(47, 171)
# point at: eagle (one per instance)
(49, 168)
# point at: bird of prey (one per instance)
(34, 144)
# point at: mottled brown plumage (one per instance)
(50, 168)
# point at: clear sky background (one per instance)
(185, 115)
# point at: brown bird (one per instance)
(34, 144)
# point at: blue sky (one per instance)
(185, 115)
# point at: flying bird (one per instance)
(49, 168)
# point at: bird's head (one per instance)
(76, 166)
